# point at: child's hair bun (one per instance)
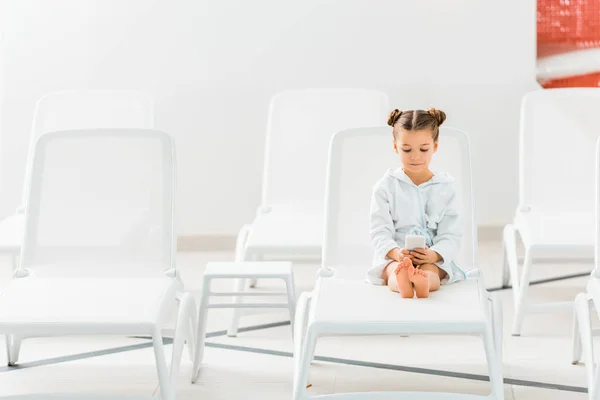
(438, 115)
(394, 117)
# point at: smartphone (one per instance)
(412, 242)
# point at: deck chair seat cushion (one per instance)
(76, 304)
(340, 302)
(283, 228)
(557, 230)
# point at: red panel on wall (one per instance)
(567, 25)
(590, 80)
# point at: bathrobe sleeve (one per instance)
(382, 228)
(446, 242)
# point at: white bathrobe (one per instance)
(399, 207)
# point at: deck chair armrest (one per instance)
(325, 272)
(474, 273)
(263, 209)
(22, 273)
(171, 273)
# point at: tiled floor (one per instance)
(258, 365)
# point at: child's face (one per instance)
(415, 149)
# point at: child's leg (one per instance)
(420, 279)
(396, 276)
(434, 274)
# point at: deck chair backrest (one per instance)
(358, 159)
(93, 109)
(559, 129)
(101, 198)
(300, 126)
(90, 110)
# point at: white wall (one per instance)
(213, 65)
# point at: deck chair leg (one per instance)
(201, 331)
(182, 333)
(303, 365)
(593, 391)
(13, 348)
(577, 349)
(301, 320)
(240, 249)
(581, 319)
(584, 328)
(510, 265)
(16, 348)
(191, 329)
(505, 270)
(494, 366)
(291, 298)
(520, 295)
(164, 380)
(252, 282)
(498, 325)
(240, 286)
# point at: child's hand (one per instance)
(398, 254)
(424, 256)
(403, 253)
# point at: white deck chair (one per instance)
(582, 328)
(289, 222)
(559, 129)
(98, 254)
(344, 305)
(76, 110)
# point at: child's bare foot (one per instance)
(405, 287)
(420, 280)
